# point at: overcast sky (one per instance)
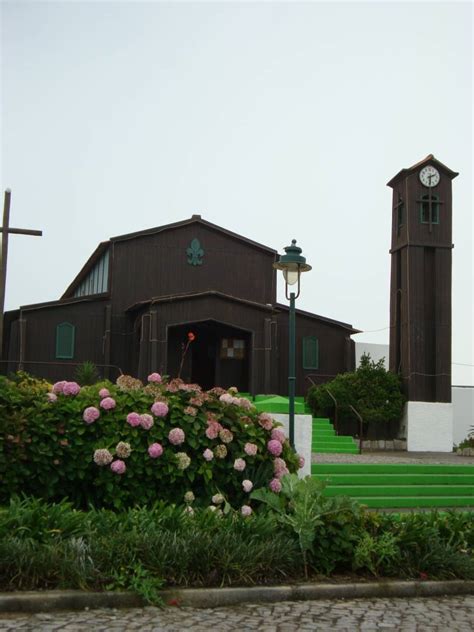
(273, 120)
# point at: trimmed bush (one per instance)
(373, 391)
(125, 444)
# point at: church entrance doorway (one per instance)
(218, 355)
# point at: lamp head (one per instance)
(292, 263)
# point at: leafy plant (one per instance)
(302, 507)
(377, 554)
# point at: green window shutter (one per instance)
(65, 333)
(310, 352)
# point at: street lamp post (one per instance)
(292, 264)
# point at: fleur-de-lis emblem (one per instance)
(195, 253)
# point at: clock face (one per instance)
(429, 176)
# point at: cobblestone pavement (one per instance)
(443, 614)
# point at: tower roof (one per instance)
(429, 160)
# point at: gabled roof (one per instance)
(429, 160)
(195, 219)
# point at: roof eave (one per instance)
(430, 159)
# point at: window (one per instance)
(96, 282)
(232, 348)
(65, 333)
(425, 209)
(310, 352)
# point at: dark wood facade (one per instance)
(139, 295)
(420, 291)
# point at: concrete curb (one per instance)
(213, 597)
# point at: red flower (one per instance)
(191, 336)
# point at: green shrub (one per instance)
(48, 443)
(374, 392)
(87, 374)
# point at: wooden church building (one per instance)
(131, 307)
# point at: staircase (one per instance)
(400, 485)
(325, 439)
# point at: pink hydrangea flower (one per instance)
(208, 454)
(103, 457)
(160, 409)
(134, 419)
(301, 461)
(213, 429)
(176, 436)
(155, 450)
(217, 499)
(279, 435)
(71, 388)
(227, 398)
(190, 410)
(226, 436)
(250, 449)
(58, 387)
(154, 377)
(266, 421)
(52, 397)
(279, 468)
(103, 393)
(274, 447)
(107, 403)
(146, 421)
(91, 414)
(239, 465)
(275, 485)
(118, 467)
(247, 486)
(246, 510)
(245, 403)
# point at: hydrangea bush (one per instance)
(125, 444)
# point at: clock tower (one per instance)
(420, 300)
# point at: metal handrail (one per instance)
(336, 409)
(361, 427)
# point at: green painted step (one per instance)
(389, 468)
(400, 490)
(324, 439)
(415, 502)
(399, 485)
(338, 450)
(277, 404)
(398, 479)
(334, 440)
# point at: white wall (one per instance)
(463, 412)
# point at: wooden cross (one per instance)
(6, 230)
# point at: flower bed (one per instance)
(126, 444)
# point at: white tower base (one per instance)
(428, 426)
